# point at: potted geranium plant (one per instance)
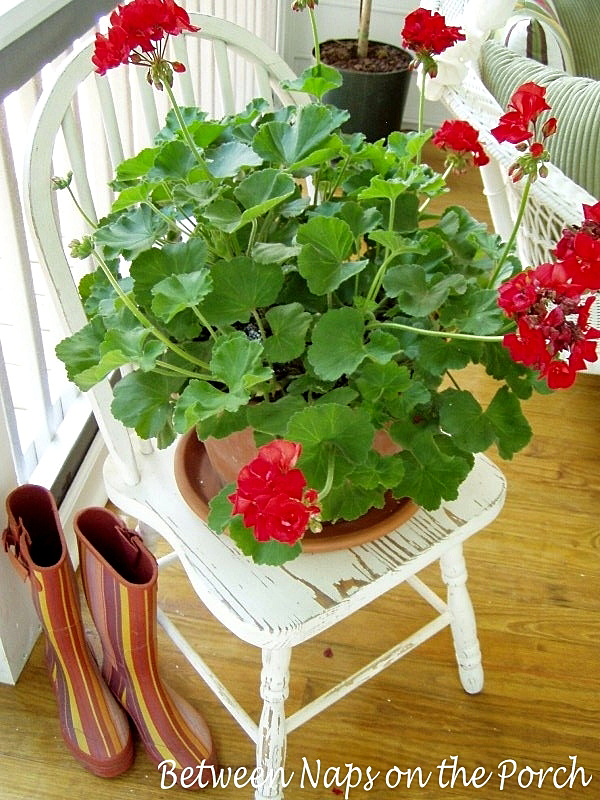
(270, 273)
(375, 76)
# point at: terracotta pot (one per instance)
(228, 455)
(199, 479)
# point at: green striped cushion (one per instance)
(534, 31)
(574, 101)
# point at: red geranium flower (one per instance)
(518, 126)
(271, 494)
(136, 29)
(426, 34)
(553, 331)
(462, 140)
(427, 31)
(524, 108)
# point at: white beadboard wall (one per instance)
(339, 19)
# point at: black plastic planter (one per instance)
(375, 100)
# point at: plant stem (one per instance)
(421, 108)
(89, 221)
(511, 240)
(427, 200)
(329, 479)
(363, 29)
(184, 129)
(143, 319)
(315, 33)
(472, 337)
(173, 368)
(204, 322)
(378, 280)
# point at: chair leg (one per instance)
(463, 625)
(271, 740)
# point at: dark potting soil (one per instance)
(341, 53)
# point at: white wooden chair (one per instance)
(554, 202)
(274, 609)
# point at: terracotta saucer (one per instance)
(198, 484)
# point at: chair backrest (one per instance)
(88, 124)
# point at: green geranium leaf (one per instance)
(154, 266)
(382, 346)
(229, 158)
(474, 429)
(330, 431)
(477, 312)
(285, 144)
(173, 161)
(327, 244)
(239, 287)
(220, 508)
(274, 252)
(272, 552)
(384, 189)
(360, 220)
(178, 292)
(133, 195)
(438, 355)
(337, 343)
(223, 214)
(395, 243)
(272, 418)
(348, 500)
(289, 325)
(415, 294)
(200, 401)
(315, 80)
(463, 417)
(134, 168)
(80, 352)
(430, 473)
(129, 233)
(190, 115)
(379, 382)
(136, 345)
(505, 415)
(262, 191)
(237, 362)
(144, 401)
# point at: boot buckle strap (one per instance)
(11, 539)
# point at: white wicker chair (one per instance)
(554, 202)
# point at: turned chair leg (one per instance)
(463, 625)
(271, 741)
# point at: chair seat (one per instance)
(272, 607)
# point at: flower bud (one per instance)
(536, 149)
(62, 183)
(549, 127)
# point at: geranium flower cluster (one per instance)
(271, 494)
(461, 142)
(427, 34)
(519, 126)
(551, 309)
(136, 29)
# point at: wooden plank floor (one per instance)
(534, 580)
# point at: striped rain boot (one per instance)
(94, 727)
(120, 582)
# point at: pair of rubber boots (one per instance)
(119, 576)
